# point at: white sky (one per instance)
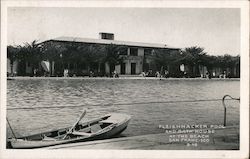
(216, 30)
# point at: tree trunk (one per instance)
(88, 68)
(111, 68)
(99, 67)
(11, 68)
(52, 68)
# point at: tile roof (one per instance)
(116, 42)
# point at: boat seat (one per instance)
(49, 138)
(113, 119)
(95, 128)
(84, 130)
(81, 133)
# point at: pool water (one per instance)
(57, 103)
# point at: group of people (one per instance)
(115, 74)
(222, 75)
(162, 74)
(158, 74)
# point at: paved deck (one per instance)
(222, 139)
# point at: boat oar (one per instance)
(71, 129)
(11, 128)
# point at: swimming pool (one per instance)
(150, 102)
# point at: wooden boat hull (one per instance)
(32, 141)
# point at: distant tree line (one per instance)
(70, 55)
(76, 57)
(194, 57)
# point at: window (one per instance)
(147, 51)
(133, 51)
(108, 36)
(123, 52)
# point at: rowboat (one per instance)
(104, 127)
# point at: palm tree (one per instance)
(71, 55)
(53, 53)
(194, 56)
(112, 56)
(29, 53)
(92, 55)
(33, 54)
(96, 57)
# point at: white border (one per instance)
(244, 84)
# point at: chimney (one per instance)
(106, 36)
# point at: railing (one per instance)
(225, 108)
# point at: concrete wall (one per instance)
(107, 69)
(138, 60)
(140, 51)
(118, 69)
(128, 51)
(139, 67)
(15, 66)
(133, 59)
(128, 67)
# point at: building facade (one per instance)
(136, 57)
